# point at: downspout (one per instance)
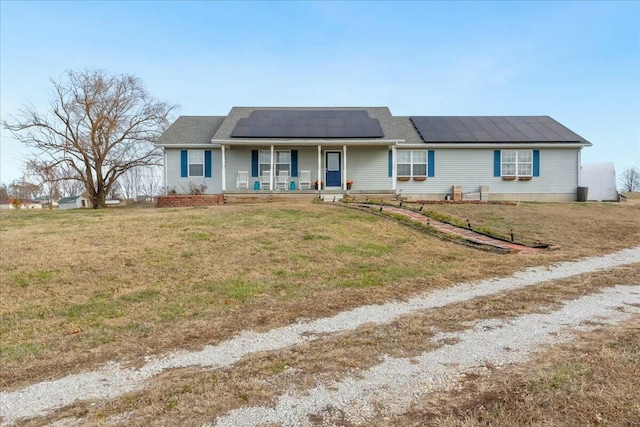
(580, 167)
(164, 155)
(394, 170)
(224, 168)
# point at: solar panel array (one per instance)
(308, 124)
(493, 129)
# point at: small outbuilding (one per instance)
(600, 179)
(73, 202)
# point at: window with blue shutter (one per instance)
(390, 163)
(207, 163)
(254, 163)
(184, 164)
(536, 162)
(496, 163)
(294, 163)
(431, 164)
(521, 164)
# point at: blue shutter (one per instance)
(431, 164)
(390, 163)
(496, 162)
(184, 163)
(254, 163)
(536, 162)
(207, 163)
(294, 163)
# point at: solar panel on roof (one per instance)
(267, 123)
(492, 129)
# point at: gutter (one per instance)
(187, 145)
(306, 142)
(496, 145)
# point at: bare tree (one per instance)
(23, 189)
(46, 176)
(151, 184)
(4, 193)
(144, 182)
(99, 126)
(128, 184)
(630, 180)
(70, 188)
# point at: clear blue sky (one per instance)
(578, 62)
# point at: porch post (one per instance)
(394, 173)
(344, 167)
(320, 179)
(224, 168)
(272, 168)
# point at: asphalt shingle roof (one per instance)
(191, 130)
(199, 130)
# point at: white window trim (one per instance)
(282, 163)
(261, 163)
(412, 163)
(189, 163)
(517, 163)
(275, 161)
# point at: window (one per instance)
(404, 163)
(517, 163)
(419, 163)
(264, 161)
(412, 163)
(196, 163)
(282, 160)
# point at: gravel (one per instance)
(114, 379)
(390, 387)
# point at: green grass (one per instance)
(39, 277)
(366, 280)
(363, 250)
(238, 288)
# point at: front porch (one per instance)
(288, 167)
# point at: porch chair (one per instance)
(243, 180)
(265, 180)
(282, 180)
(305, 180)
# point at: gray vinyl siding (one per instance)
(472, 168)
(368, 167)
(182, 185)
(238, 159)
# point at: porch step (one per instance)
(331, 197)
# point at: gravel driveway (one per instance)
(481, 344)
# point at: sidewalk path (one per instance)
(467, 234)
